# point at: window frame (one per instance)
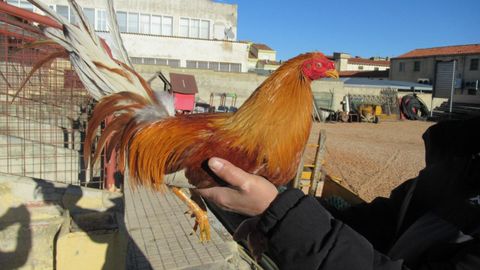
(474, 67)
(416, 66)
(126, 21)
(101, 20)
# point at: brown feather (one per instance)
(123, 101)
(118, 71)
(37, 66)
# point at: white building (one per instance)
(345, 62)
(183, 33)
(262, 59)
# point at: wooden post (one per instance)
(317, 174)
(296, 181)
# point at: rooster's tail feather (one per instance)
(124, 104)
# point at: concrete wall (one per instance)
(185, 49)
(45, 224)
(267, 55)
(243, 84)
(355, 67)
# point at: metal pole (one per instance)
(453, 86)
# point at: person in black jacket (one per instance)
(429, 222)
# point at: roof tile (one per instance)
(447, 50)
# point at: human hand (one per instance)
(248, 194)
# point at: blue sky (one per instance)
(360, 27)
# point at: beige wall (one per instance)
(243, 84)
(427, 68)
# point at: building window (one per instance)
(174, 63)
(194, 28)
(148, 61)
(474, 64)
(136, 60)
(161, 25)
(156, 25)
(376, 69)
(360, 67)
(144, 23)
(21, 4)
(183, 27)
(90, 14)
(101, 20)
(213, 65)
(162, 62)
(122, 21)
(191, 64)
(401, 67)
(202, 65)
(62, 11)
(416, 66)
(224, 67)
(167, 26)
(205, 29)
(132, 22)
(235, 67)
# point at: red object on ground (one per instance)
(184, 88)
(184, 102)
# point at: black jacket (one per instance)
(430, 222)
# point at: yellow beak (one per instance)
(332, 73)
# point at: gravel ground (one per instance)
(372, 159)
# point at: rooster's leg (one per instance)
(201, 219)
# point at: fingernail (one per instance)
(215, 164)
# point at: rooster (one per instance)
(266, 136)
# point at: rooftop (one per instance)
(382, 84)
(364, 61)
(183, 83)
(447, 50)
(365, 74)
(259, 46)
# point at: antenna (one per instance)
(229, 33)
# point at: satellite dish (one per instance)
(229, 33)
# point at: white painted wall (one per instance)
(138, 45)
(267, 55)
(215, 49)
(355, 67)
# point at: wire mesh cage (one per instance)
(42, 129)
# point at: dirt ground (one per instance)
(372, 159)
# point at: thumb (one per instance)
(227, 171)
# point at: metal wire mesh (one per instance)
(43, 129)
(388, 99)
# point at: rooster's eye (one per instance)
(319, 65)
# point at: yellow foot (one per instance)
(201, 219)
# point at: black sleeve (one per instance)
(377, 220)
(303, 235)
